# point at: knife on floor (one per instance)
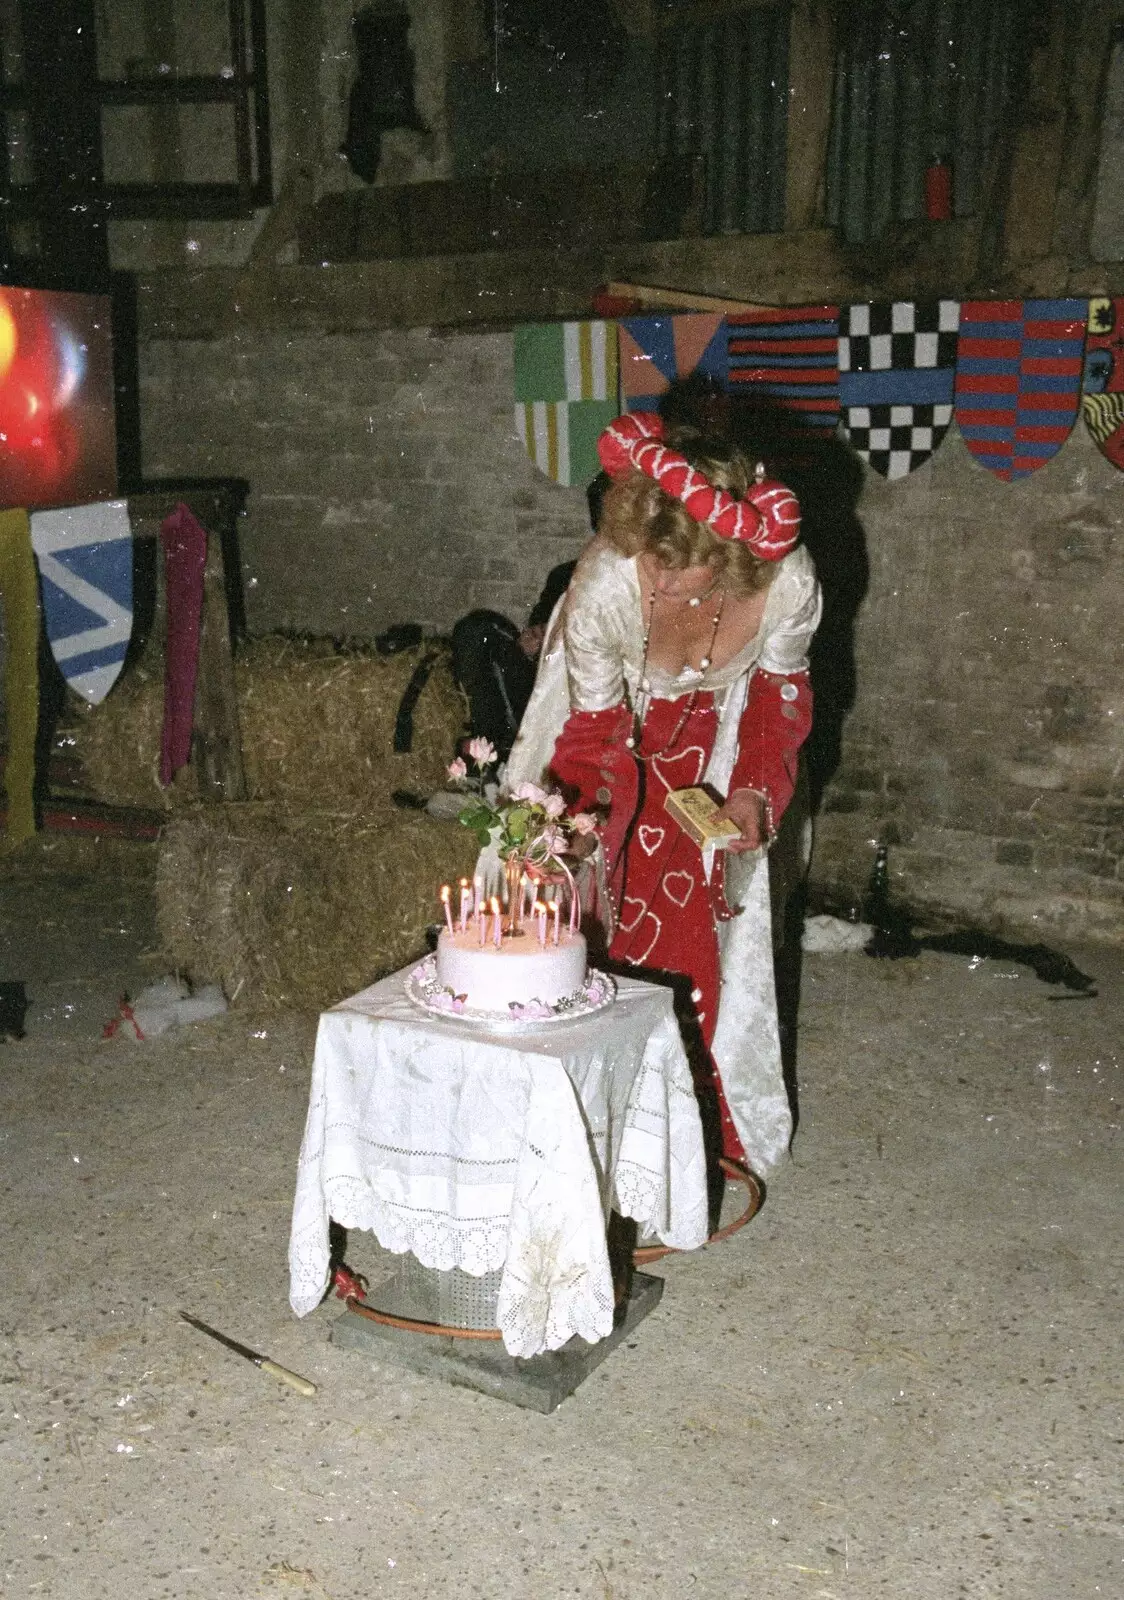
(293, 1379)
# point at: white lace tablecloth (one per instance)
(484, 1150)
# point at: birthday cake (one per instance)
(517, 971)
(519, 979)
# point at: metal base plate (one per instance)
(539, 1383)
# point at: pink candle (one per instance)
(445, 903)
(497, 922)
(573, 909)
(466, 900)
(556, 911)
(481, 921)
(538, 910)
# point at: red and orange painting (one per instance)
(57, 435)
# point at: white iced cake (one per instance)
(519, 972)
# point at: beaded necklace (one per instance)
(644, 687)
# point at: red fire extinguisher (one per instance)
(938, 190)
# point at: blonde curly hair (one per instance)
(637, 517)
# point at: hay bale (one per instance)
(118, 744)
(301, 909)
(317, 726)
(318, 723)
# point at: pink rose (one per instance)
(552, 842)
(529, 792)
(457, 770)
(482, 751)
(554, 805)
(583, 823)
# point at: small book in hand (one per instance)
(696, 812)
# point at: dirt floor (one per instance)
(902, 1380)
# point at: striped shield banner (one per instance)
(1018, 380)
(566, 393)
(85, 558)
(788, 356)
(1102, 404)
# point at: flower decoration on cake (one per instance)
(532, 1011)
(527, 822)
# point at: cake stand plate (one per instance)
(423, 990)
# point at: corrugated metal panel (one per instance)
(916, 79)
(723, 94)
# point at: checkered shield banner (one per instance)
(897, 371)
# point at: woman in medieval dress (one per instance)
(679, 658)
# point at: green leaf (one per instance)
(517, 823)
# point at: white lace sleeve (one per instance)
(546, 711)
(791, 615)
(598, 622)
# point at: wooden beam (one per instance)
(280, 226)
(811, 79)
(1040, 137)
(217, 751)
(217, 742)
(1085, 108)
(491, 290)
(654, 299)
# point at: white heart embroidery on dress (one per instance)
(646, 832)
(627, 927)
(685, 767)
(684, 884)
(639, 960)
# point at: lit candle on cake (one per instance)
(573, 908)
(538, 911)
(466, 900)
(497, 922)
(556, 912)
(445, 902)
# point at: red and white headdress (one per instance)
(767, 518)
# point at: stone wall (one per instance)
(986, 741)
(974, 624)
(387, 484)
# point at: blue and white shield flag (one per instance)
(85, 558)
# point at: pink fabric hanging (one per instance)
(185, 556)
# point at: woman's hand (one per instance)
(747, 809)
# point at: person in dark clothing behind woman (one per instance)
(494, 662)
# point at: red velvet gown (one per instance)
(666, 909)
